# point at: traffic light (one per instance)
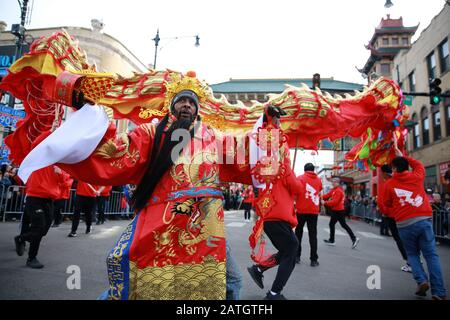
(435, 91)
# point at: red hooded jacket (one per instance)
(308, 200)
(404, 194)
(44, 183)
(84, 189)
(337, 198)
(65, 185)
(284, 192)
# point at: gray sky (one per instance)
(239, 39)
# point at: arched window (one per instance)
(436, 124)
(416, 132)
(425, 126)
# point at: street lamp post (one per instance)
(157, 39)
(19, 31)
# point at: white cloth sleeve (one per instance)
(71, 143)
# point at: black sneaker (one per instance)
(103, 221)
(20, 245)
(34, 264)
(277, 296)
(297, 260)
(256, 275)
(329, 242)
(314, 263)
(72, 235)
(88, 230)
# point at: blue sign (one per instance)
(10, 116)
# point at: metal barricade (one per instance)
(441, 223)
(12, 202)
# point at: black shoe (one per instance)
(103, 221)
(72, 235)
(277, 296)
(88, 230)
(329, 242)
(55, 225)
(256, 275)
(20, 245)
(355, 243)
(97, 223)
(34, 264)
(314, 263)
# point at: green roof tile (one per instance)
(278, 85)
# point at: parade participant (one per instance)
(278, 223)
(386, 171)
(249, 197)
(335, 201)
(85, 200)
(105, 192)
(308, 208)
(405, 197)
(60, 203)
(41, 189)
(178, 228)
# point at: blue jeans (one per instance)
(233, 276)
(417, 238)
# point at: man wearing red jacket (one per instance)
(308, 208)
(60, 203)
(41, 189)
(386, 171)
(278, 226)
(406, 199)
(85, 202)
(104, 191)
(335, 201)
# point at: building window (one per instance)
(431, 177)
(444, 57)
(436, 126)
(425, 126)
(395, 41)
(405, 41)
(385, 41)
(385, 68)
(412, 82)
(416, 133)
(447, 116)
(431, 63)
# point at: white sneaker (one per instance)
(355, 243)
(406, 268)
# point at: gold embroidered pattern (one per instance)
(206, 281)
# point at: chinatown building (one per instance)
(103, 50)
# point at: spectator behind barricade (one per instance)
(5, 182)
(447, 201)
(440, 216)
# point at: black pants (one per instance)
(101, 201)
(58, 207)
(384, 226)
(311, 222)
(84, 205)
(247, 210)
(394, 232)
(339, 216)
(36, 221)
(285, 241)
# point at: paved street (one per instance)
(341, 274)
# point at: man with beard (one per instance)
(175, 246)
